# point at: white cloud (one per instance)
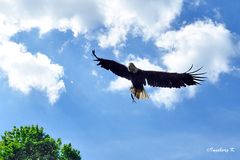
(217, 13)
(202, 43)
(119, 84)
(142, 63)
(166, 97)
(145, 18)
(26, 71)
(196, 3)
(79, 16)
(94, 73)
(118, 17)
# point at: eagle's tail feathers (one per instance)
(139, 93)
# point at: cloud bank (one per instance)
(202, 43)
(26, 71)
(147, 19)
(115, 18)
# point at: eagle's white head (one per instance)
(132, 68)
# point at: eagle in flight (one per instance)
(141, 78)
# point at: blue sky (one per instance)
(48, 76)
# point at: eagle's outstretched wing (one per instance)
(113, 66)
(173, 80)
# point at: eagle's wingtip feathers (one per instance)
(197, 77)
(97, 58)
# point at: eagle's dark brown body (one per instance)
(137, 80)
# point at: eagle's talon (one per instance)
(133, 100)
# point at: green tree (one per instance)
(31, 143)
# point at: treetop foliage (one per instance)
(31, 143)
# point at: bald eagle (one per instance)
(141, 78)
